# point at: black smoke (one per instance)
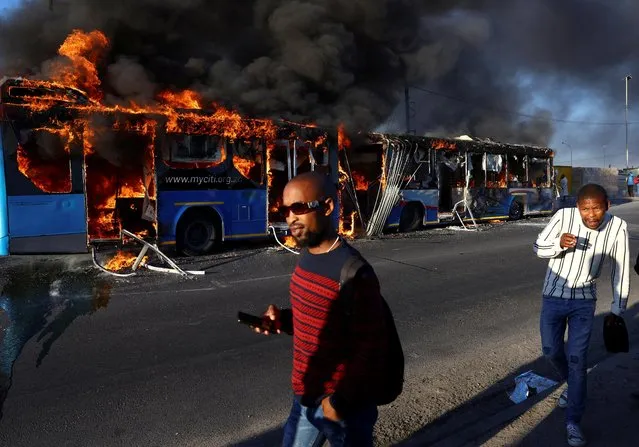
(332, 61)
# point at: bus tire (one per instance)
(198, 232)
(411, 217)
(516, 211)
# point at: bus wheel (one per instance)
(516, 210)
(198, 233)
(411, 217)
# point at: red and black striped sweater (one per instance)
(334, 353)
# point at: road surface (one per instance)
(158, 361)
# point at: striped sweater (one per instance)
(334, 354)
(572, 272)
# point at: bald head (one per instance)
(312, 185)
(314, 197)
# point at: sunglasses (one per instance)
(299, 208)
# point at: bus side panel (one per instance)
(392, 221)
(243, 212)
(429, 198)
(54, 223)
(248, 213)
(535, 201)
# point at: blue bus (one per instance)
(213, 189)
(404, 182)
(74, 174)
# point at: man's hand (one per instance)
(568, 240)
(329, 411)
(270, 317)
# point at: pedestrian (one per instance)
(631, 184)
(337, 357)
(563, 182)
(578, 240)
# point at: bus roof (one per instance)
(21, 91)
(464, 144)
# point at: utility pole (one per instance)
(570, 147)
(407, 101)
(628, 77)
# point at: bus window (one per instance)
(517, 177)
(476, 168)
(44, 157)
(538, 172)
(495, 171)
(209, 149)
(247, 160)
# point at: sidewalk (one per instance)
(611, 412)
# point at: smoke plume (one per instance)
(346, 61)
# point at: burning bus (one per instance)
(75, 173)
(405, 182)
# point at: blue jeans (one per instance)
(307, 427)
(571, 361)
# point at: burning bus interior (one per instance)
(297, 150)
(360, 180)
(120, 177)
(375, 170)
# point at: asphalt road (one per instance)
(158, 361)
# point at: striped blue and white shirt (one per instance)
(572, 272)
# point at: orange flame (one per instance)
(243, 165)
(51, 176)
(289, 241)
(343, 142)
(188, 99)
(269, 150)
(360, 182)
(122, 260)
(83, 51)
(443, 144)
(347, 229)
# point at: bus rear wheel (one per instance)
(198, 233)
(411, 218)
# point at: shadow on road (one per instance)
(271, 438)
(611, 411)
(479, 419)
(43, 299)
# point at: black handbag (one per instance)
(615, 334)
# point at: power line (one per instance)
(510, 112)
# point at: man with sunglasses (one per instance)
(337, 355)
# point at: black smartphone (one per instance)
(582, 244)
(252, 320)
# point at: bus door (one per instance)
(288, 159)
(44, 188)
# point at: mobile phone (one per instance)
(254, 321)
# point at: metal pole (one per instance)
(570, 147)
(628, 77)
(407, 106)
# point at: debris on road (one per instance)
(529, 384)
(125, 260)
